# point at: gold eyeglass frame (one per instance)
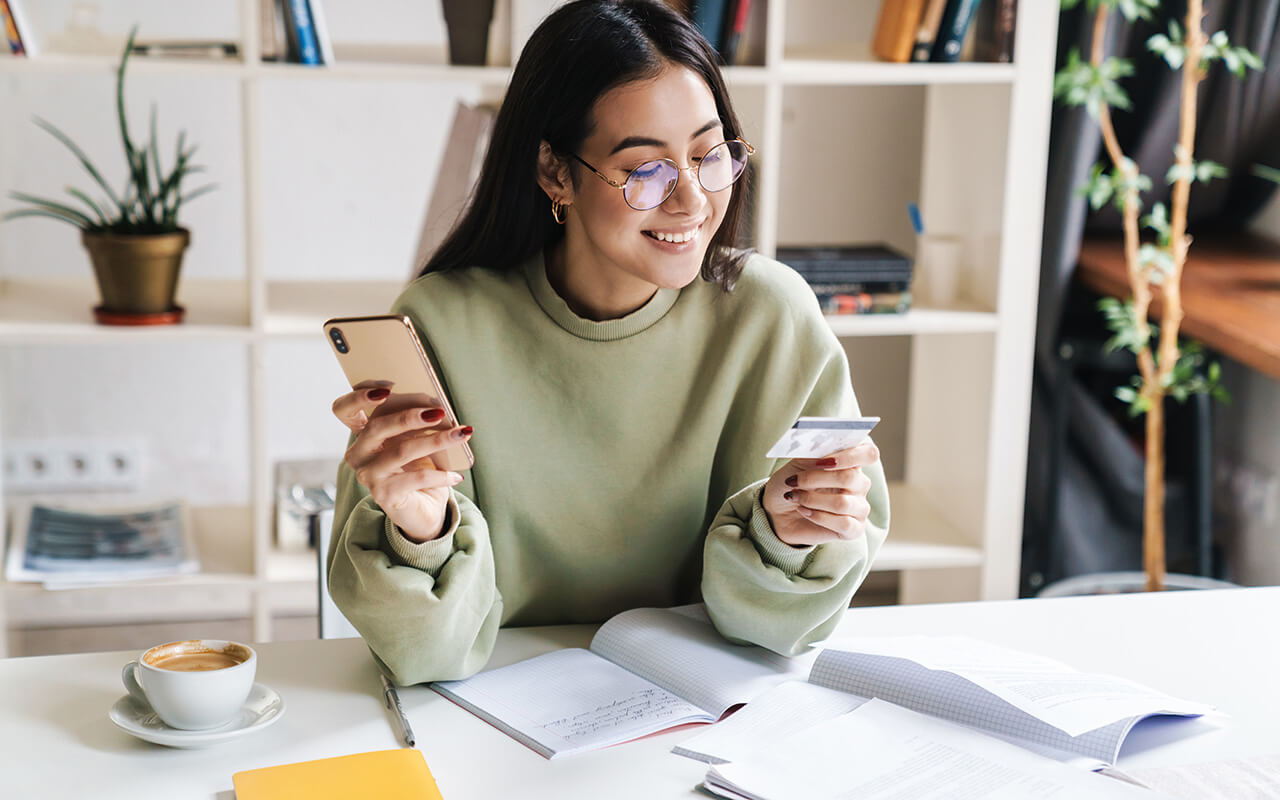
(750, 152)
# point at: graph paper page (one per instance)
(1022, 697)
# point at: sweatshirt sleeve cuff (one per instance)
(791, 560)
(426, 556)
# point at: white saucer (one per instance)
(263, 707)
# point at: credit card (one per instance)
(819, 437)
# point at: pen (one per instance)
(392, 699)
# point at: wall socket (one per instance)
(35, 466)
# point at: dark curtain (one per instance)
(1085, 484)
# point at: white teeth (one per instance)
(675, 238)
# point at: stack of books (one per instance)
(854, 279)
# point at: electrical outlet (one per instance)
(36, 466)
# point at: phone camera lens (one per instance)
(338, 341)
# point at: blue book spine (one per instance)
(304, 31)
(708, 15)
(954, 27)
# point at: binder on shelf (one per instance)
(993, 28)
(17, 31)
(927, 30)
(896, 29)
(956, 20)
(303, 48)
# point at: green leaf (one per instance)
(83, 158)
(84, 198)
(1174, 56)
(43, 212)
(1270, 173)
(52, 205)
(1208, 170)
(1158, 221)
(1157, 261)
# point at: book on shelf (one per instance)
(735, 25)
(320, 28)
(186, 49)
(855, 263)
(957, 18)
(709, 16)
(64, 547)
(273, 32)
(456, 177)
(647, 670)
(1037, 703)
(17, 31)
(927, 30)
(993, 29)
(896, 29)
(303, 45)
(862, 299)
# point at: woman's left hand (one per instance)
(811, 501)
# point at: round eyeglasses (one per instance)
(650, 184)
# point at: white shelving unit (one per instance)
(845, 142)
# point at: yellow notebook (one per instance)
(385, 774)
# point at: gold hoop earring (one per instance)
(559, 211)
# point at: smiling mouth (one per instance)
(674, 237)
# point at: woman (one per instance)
(625, 369)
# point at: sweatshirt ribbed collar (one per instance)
(607, 331)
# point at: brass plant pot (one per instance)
(137, 274)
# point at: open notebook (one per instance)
(647, 670)
(1034, 702)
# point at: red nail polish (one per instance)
(825, 463)
(378, 394)
(432, 415)
(792, 481)
(466, 430)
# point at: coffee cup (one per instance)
(194, 684)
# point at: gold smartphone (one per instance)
(385, 351)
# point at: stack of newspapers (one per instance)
(63, 547)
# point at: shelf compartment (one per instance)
(62, 309)
(921, 537)
(223, 589)
(299, 308)
(854, 66)
(231, 66)
(387, 61)
(915, 321)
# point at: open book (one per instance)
(647, 670)
(1034, 702)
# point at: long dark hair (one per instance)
(578, 53)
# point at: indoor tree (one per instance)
(1165, 368)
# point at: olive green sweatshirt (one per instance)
(618, 464)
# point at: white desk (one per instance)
(1220, 647)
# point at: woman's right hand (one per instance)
(391, 457)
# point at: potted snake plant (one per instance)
(133, 236)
